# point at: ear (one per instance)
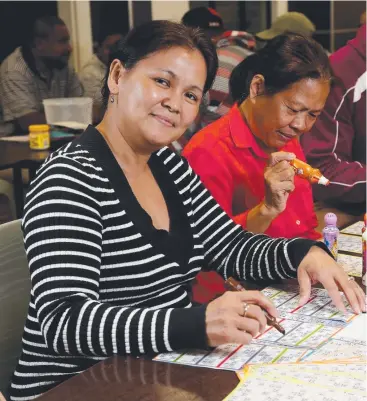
(257, 86)
(117, 70)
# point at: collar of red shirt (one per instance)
(241, 134)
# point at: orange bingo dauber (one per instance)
(234, 285)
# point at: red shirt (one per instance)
(231, 165)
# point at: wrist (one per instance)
(267, 211)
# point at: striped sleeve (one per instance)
(233, 251)
(62, 228)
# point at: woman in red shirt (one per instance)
(243, 158)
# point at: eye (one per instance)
(292, 110)
(312, 115)
(162, 81)
(191, 96)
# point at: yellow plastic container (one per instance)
(39, 137)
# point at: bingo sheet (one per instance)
(306, 328)
(355, 229)
(352, 265)
(350, 243)
(303, 382)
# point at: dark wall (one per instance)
(16, 18)
(109, 17)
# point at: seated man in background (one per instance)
(337, 143)
(93, 73)
(36, 71)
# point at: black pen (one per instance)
(234, 285)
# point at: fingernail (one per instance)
(292, 156)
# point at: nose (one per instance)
(299, 123)
(172, 102)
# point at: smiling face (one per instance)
(157, 100)
(277, 119)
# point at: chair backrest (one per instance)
(15, 287)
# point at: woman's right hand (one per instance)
(279, 181)
(225, 320)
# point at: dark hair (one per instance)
(286, 59)
(43, 26)
(154, 36)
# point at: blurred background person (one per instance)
(243, 158)
(232, 48)
(93, 73)
(36, 71)
(288, 22)
(337, 142)
(362, 19)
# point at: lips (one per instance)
(163, 120)
(286, 137)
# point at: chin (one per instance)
(160, 140)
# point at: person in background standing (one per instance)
(337, 142)
(94, 71)
(36, 71)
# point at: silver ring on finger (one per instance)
(245, 308)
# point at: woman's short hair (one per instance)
(155, 36)
(285, 60)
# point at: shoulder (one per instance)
(93, 67)
(75, 164)
(214, 136)
(15, 64)
(347, 65)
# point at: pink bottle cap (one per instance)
(330, 219)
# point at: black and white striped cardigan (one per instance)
(102, 286)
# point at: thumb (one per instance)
(304, 286)
(277, 157)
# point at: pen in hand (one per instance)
(234, 285)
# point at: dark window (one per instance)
(16, 19)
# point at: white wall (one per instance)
(169, 9)
(76, 15)
(279, 7)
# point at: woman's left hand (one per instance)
(318, 266)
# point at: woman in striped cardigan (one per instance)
(116, 226)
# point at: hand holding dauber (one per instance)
(234, 285)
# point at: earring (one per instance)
(112, 99)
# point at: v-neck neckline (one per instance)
(177, 243)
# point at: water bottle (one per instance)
(330, 234)
(364, 260)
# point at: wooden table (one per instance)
(141, 379)
(18, 156)
(126, 378)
